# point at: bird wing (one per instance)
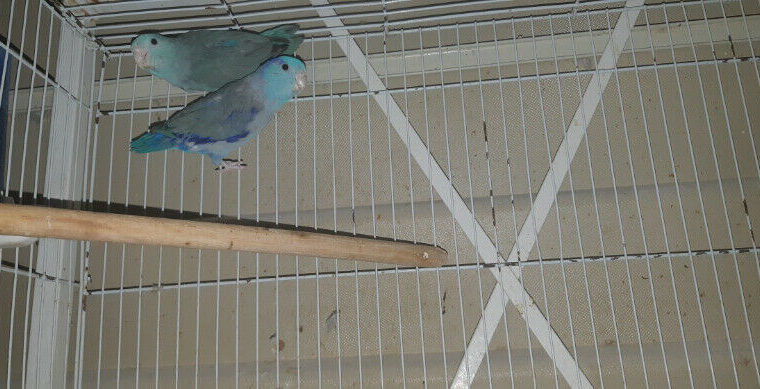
(210, 59)
(241, 42)
(220, 115)
(228, 48)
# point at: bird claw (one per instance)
(228, 164)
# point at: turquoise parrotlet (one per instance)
(220, 122)
(205, 60)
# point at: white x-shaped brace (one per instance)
(508, 287)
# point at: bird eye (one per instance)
(284, 66)
(153, 41)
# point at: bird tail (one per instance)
(152, 141)
(287, 32)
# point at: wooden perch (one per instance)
(46, 222)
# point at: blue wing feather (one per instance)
(153, 141)
(220, 115)
(227, 43)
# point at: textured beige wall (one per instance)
(288, 326)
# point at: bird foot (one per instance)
(230, 164)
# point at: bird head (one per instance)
(149, 50)
(285, 76)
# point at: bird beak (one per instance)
(141, 57)
(300, 81)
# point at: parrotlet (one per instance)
(220, 122)
(205, 60)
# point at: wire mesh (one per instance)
(595, 239)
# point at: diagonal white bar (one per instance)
(493, 311)
(474, 231)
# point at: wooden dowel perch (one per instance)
(46, 222)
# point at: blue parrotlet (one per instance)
(220, 122)
(205, 60)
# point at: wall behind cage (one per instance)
(625, 271)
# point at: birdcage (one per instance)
(590, 167)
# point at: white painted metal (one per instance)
(372, 272)
(7, 241)
(509, 281)
(53, 300)
(411, 15)
(542, 203)
(545, 46)
(173, 326)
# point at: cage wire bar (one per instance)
(544, 198)
(631, 123)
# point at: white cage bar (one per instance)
(598, 158)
